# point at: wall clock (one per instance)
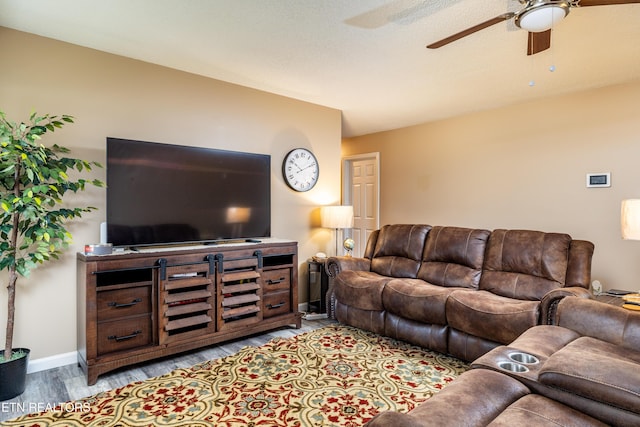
(300, 169)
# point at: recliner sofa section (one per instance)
(581, 370)
(459, 291)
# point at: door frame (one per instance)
(347, 178)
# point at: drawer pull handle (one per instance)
(126, 337)
(276, 281)
(271, 306)
(128, 304)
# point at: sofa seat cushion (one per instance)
(535, 410)
(417, 300)
(596, 370)
(489, 316)
(361, 289)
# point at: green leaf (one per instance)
(23, 270)
(35, 196)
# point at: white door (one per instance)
(361, 183)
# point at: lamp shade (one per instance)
(542, 16)
(336, 216)
(630, 219)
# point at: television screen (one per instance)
(165, 194)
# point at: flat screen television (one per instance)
(161, 194)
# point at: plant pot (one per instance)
(13, 375)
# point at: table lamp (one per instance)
(630, 219)
(336, 217)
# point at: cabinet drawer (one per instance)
(276, 303)
(117, 335)
(274, 280)
(118, 303)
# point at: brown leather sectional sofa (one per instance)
(456, 290)
(516, 304)
(584, 370)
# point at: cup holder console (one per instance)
(513, 367)
(517, 362)
(526, 358)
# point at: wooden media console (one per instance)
(136, 306)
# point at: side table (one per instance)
(609, 299)
(317, 287)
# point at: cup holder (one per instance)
(513, 367)
(527, 359)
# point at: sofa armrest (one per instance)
(549, 303)
(336, 264)
(475, 398)
(579, 266)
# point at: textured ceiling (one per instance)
(364, 57)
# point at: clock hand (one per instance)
(307, 167)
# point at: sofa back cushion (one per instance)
(453, 256)
(605, 322)
(525, 264)
(398, 250)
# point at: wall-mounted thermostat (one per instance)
(599, 179)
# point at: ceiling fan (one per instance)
(537, 17)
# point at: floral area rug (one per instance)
(334, 376)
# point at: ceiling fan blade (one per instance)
(471, 30)
(538, 42)
(586, 3)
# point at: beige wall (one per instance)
(115, 96)
(523, 166)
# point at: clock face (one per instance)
(300, 169)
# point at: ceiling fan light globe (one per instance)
(542, 17)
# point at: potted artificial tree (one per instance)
(33, 181)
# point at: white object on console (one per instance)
(103, 233)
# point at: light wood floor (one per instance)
(66, 383)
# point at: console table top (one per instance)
(213, 247)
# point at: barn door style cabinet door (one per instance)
(138, 306)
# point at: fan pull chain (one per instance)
(532, 82)
(552, 67)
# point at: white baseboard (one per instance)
(51, 362)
